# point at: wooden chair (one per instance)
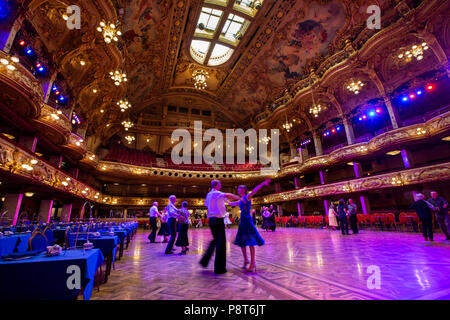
(37, 241)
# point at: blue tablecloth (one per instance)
(105, 243)
(8, 243)
(46, 278)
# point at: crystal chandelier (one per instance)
(200, 76)
(109, 31)
(416, 51)
(130, 139)
(287, 125)
(315, 109)
(9, 63)
(118, 77)
(355, 86)
(127, 124)
(124, 105)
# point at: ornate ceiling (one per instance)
(285, 41)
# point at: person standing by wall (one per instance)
(352, 210)
(442, 216)
(423, 210)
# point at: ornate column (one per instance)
(6, 46)
(435, 46)
(407, 159)
(303, 154)
(297, 183)
(45, 211)
(365, 205)
(11, 206)
(65, 212)
(300, 208)
(317, 144)
(393, 114)
(48, 89)
(350, 134)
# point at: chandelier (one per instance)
(118, 77)
(355, 86)
(200, 76)
(130, 139)
(9, 63)
(127, 124)
(314, 110)
(287, 125)
(124, 105)
(416, 51)
(109, 31)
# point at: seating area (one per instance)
(148, 159)
(35, 243)
(407, 222)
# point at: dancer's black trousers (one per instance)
(354, 223)
(173, 234)
(154, 227)
(219, 244)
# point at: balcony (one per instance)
(54, 125)
(19, 90)
(76, 147)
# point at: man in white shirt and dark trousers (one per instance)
(172, 213)
(215, 201)
(154, 214)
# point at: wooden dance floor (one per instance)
(298, 264)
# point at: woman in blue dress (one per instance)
(247, 234)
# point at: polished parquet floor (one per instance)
(299, 264)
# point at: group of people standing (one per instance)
(425, 209)
(174, 222)
(343, 213)
(268, 215)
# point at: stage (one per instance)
(294, 264)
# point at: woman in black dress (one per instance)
(164, 229)
(183, 226)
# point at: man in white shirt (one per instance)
(154, 214)
(215, 201)
(172, 213)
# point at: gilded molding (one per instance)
(383, 141)
(16, 161)
(24, 83)
(58, 123)
(434, 173)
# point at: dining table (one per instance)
(42, 277)
(106, 243)
(17, 242)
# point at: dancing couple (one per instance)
(247, 234)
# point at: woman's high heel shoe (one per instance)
(253, 270)
(245, 264)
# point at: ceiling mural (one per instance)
(308, 32)
(145, 38)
